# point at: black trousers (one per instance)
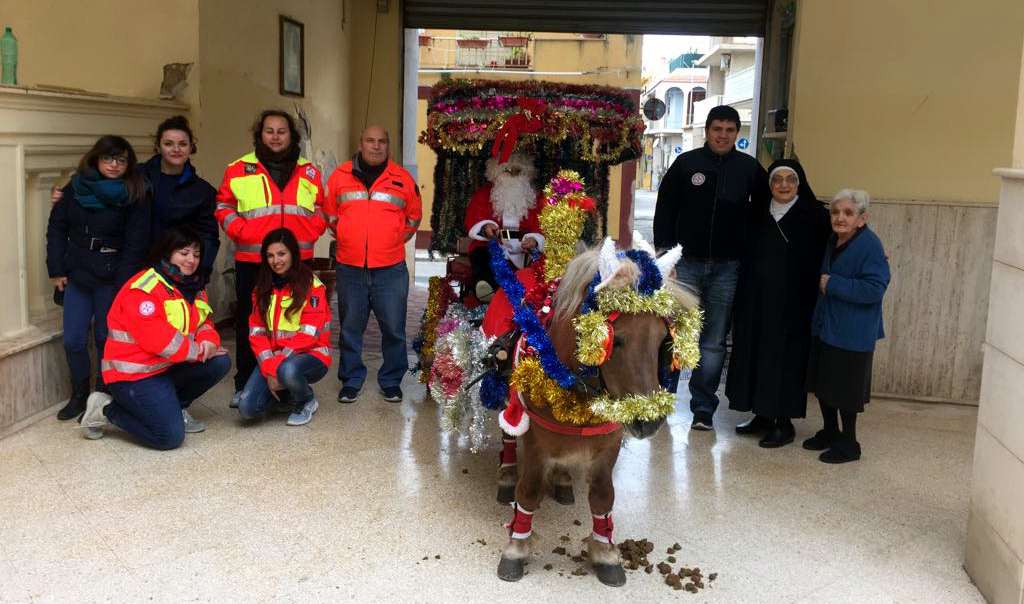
(480, 261)
(245, 283)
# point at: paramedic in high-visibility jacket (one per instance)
(269, 188)
(374, 208)
(162, 351)
(290, 331)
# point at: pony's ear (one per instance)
(668, 261)
(639, 243)
(608, 263)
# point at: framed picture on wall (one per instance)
(293, 57)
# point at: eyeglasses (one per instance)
(789, 180)
(114, 159)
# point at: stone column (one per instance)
(995, 529)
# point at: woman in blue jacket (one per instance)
(847, 322)
(96, 238)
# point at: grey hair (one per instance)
(861, 200)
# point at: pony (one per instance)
(634, 366)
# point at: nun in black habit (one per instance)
(775, 299)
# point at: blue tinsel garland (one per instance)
(493, 391)
(536, 336)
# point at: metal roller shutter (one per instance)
(720, 18)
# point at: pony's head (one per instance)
(620, 308)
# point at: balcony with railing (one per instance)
(477, 51)
(739, 86)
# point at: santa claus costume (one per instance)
(510, 204)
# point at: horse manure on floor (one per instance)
(634, 553)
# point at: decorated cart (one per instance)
(582, 129)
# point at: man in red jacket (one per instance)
(374, 208)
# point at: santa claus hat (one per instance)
(513, 418)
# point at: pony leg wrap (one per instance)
(521, 526)
(603, 528)
(507, 457)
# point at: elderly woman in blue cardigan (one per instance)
(847, 322)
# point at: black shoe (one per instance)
(76, 404)
(348, 395)
(702, 422)
(779, 436)
(758, 424)
(392, 394)
(842, 451)
(820, 441)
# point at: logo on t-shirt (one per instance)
(698, 179)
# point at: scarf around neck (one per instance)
(94, 192)
(188, 285)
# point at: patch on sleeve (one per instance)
(250, 168)
(311, 173)
(147, 308)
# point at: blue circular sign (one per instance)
(742, 143)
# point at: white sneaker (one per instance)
(192, 425)
(93, 419)
(301, 418)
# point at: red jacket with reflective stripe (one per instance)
(151, 327)
(276, 336)
(249, 205)
(371, 226)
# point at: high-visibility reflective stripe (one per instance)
(129, 367)
(229, 219)
(352, 196)
(257, 331)
(283, 335)
(410, 223)
(225, 206)
(309, 330)
(255, 247)
(193, 350)
(147, 281)
(263, 356)
(274, 210)
(392, 199)
(287, 352)
(172, 346)
(323, 350)
(306, 245)
(120, 336)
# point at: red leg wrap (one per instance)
(603, 528)
(522, 523)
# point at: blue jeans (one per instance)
(715, 283)
(150, 408)
(385, 291)
(84, 308)
(295, 374)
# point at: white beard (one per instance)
(513, 195)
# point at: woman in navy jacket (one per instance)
(180, 196)
(847, 322)
(96, 238)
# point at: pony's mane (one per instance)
(579, 273)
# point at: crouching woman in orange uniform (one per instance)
(289, 330)
(162, 352)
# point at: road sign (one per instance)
(654, 109)
(743, 143)
(677, 149)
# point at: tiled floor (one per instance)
(348, 507)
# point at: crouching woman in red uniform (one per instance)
(162, 352)
(289, 330)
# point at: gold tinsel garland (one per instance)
(568, 407)
(633, 407)
(561, 221)
(591, 334)
(432, 316)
